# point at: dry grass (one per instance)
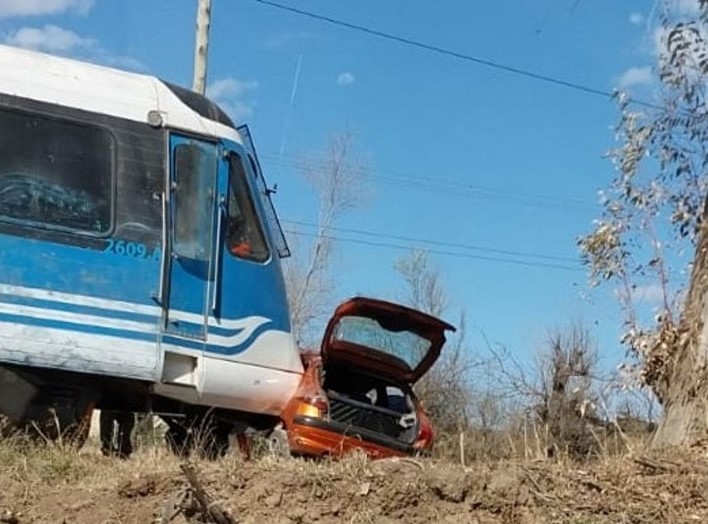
(29, 461)
(529, 441)
(53, 483)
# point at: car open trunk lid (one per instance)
(386, 339)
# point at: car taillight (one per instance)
(314, 407)
(425, 434)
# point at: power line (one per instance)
(442, 185)
(451, 53)
(438, 252)
(440, 243)
(399, 176)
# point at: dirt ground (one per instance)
(66, 487)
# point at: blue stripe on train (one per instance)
(243, 346)
(148, 334)
(80, 328)
(247, 288)
(83, 309)
(109, 314)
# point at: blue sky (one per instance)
(518, 162)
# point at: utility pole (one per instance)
(201, 49)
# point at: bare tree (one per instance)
(558, 390)
(424, 290)
(445, 389)
(657, 204)
(568, 369)
(336, 178)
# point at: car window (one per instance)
(403, 345)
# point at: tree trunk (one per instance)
(684, 387)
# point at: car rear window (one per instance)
(363, 331)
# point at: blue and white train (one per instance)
(139, 251)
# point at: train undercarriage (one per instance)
(52, 405)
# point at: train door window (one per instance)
(55, 173)
(245, 233)
(195, 170)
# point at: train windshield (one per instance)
(245, 233)
(280, 245)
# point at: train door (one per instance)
(198, 178)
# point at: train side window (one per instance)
(195, 181)
(245, 233)
(55, 174)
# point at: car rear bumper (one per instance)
(313, 436)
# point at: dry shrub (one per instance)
(498, 407)
(550, 409)
(445, 390)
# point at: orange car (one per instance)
(357, 393)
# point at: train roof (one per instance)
(99, 89)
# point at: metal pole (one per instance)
(201, 49)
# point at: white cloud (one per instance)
(119, 61)
(345, 79)
(230, 87)
(59, 41)
(50, 38)
(649, 294)
(238, 110)
(229, 94)
(635, 76)
(10, 8)
(636, 18)
(685, 7)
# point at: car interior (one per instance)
(372, 403)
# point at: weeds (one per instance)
(24, 459)
(605, 488)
